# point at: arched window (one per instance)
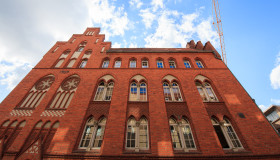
(172, 92)
(199, 64)
(206, 92)
(187, 64)
(181, 135)
(137, 136)
(71, 63)
(37, 93)
(104, 91)
(65, 92)
(93, 134)
(132, 63)
(234, 141)
(138, 91)
(59, 63)
(160, 63)
(12, 133)
(83, 63)
(105, 64)
(145, 63)
(172, 64)
(81, 46)
(118, 63)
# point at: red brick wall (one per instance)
(254, 131)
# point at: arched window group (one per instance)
(104, 91)
(37, 93)
(181, 135)
(137, 137)
(206, 92)
(172, 92)
(138, 91)
(65, 93)
(93, 133)
(226, 134)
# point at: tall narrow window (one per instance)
(160, 64)
(37, 93)
(81, 46)
(104, 92)
(199, 64)
(145, 64)
(56, 49)
(220, 133)
(138, 92)
(206, 92)
(132, 64)
(65, 92)
(137, 136)
(83, 63)
(118, 63)
(71, 63)
(99, 134)
(62, 58)
(235, 143)
(187, 64)
(105, 64)
(172, 64)
(172, 92)
(88, 133)
(59, 63)
(181, 134)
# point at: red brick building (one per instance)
(86, 100)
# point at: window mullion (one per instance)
(104, 94)
(93, 135)
(206, 94)
(172, 94)
(180, 130)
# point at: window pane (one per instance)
(87, 136)
(83, 64)
(177, 94)
(143, 135)
(172, 64)
(118, 64)
(167, 94)
(144, 64)
(109, 92)
(133, 92)
(132, 64)
(199, 64)
(233, 137)
(188, 136)
(80, 49)
(160, 64)
(221, 136)
(130, 136)
(105, 64)
(99, 136)
(187, 64)
(176, 142)
(99, 93)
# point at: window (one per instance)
(56, 49)
(37, 93)
(138, 92)
(118, 64)
(102, 50)
(145, 64)
(93, 134)
(272, 116)
(206, 92)
(59, 63)
(172, 92)
(71, 63)
(81, 46)
(105, 64)
(172, 64)
(226, 134)
(104, 92)
(74, 39)
(160, 64)
(65, 93)
(96, 40)
(90, 33)
(199, 64)
(83, 63)
(132, 64)
(181, 135)
(187, 64)
(137, 136)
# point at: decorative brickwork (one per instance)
(160, 103)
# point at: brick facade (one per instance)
(43, 132)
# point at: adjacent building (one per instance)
(273, 116)
(86, 100)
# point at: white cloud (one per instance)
(275, 101)
(113, 20)
(157, 4)
(136, 3)
(275, 74)
(263, 107)
(147, 17)
(132, 45)
(116, 45)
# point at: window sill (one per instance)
(236, 151)
(138, 102)
(175, 101)
(24, 109)
(95, 151)
(100, 102)
(187, 152)
(132, 151)
(213, 102)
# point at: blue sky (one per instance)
(251, 30)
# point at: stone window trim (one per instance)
(91, 122)
(181, 124)
(229, 139)
(168, 91)
(71, 63)
(138, 86)
(206, 91)
(102, 90)
(137, 124)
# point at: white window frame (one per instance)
(137, 124)
(187, 62)
(199, 64)
(105, 88)
(105, 64)
(170, 87)
(82, 63)
(147, 62)
(180, 126)
(207, 97)
(118, 64)
(160, 62)
(172, 64)
(132, 64)
(138, 87)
